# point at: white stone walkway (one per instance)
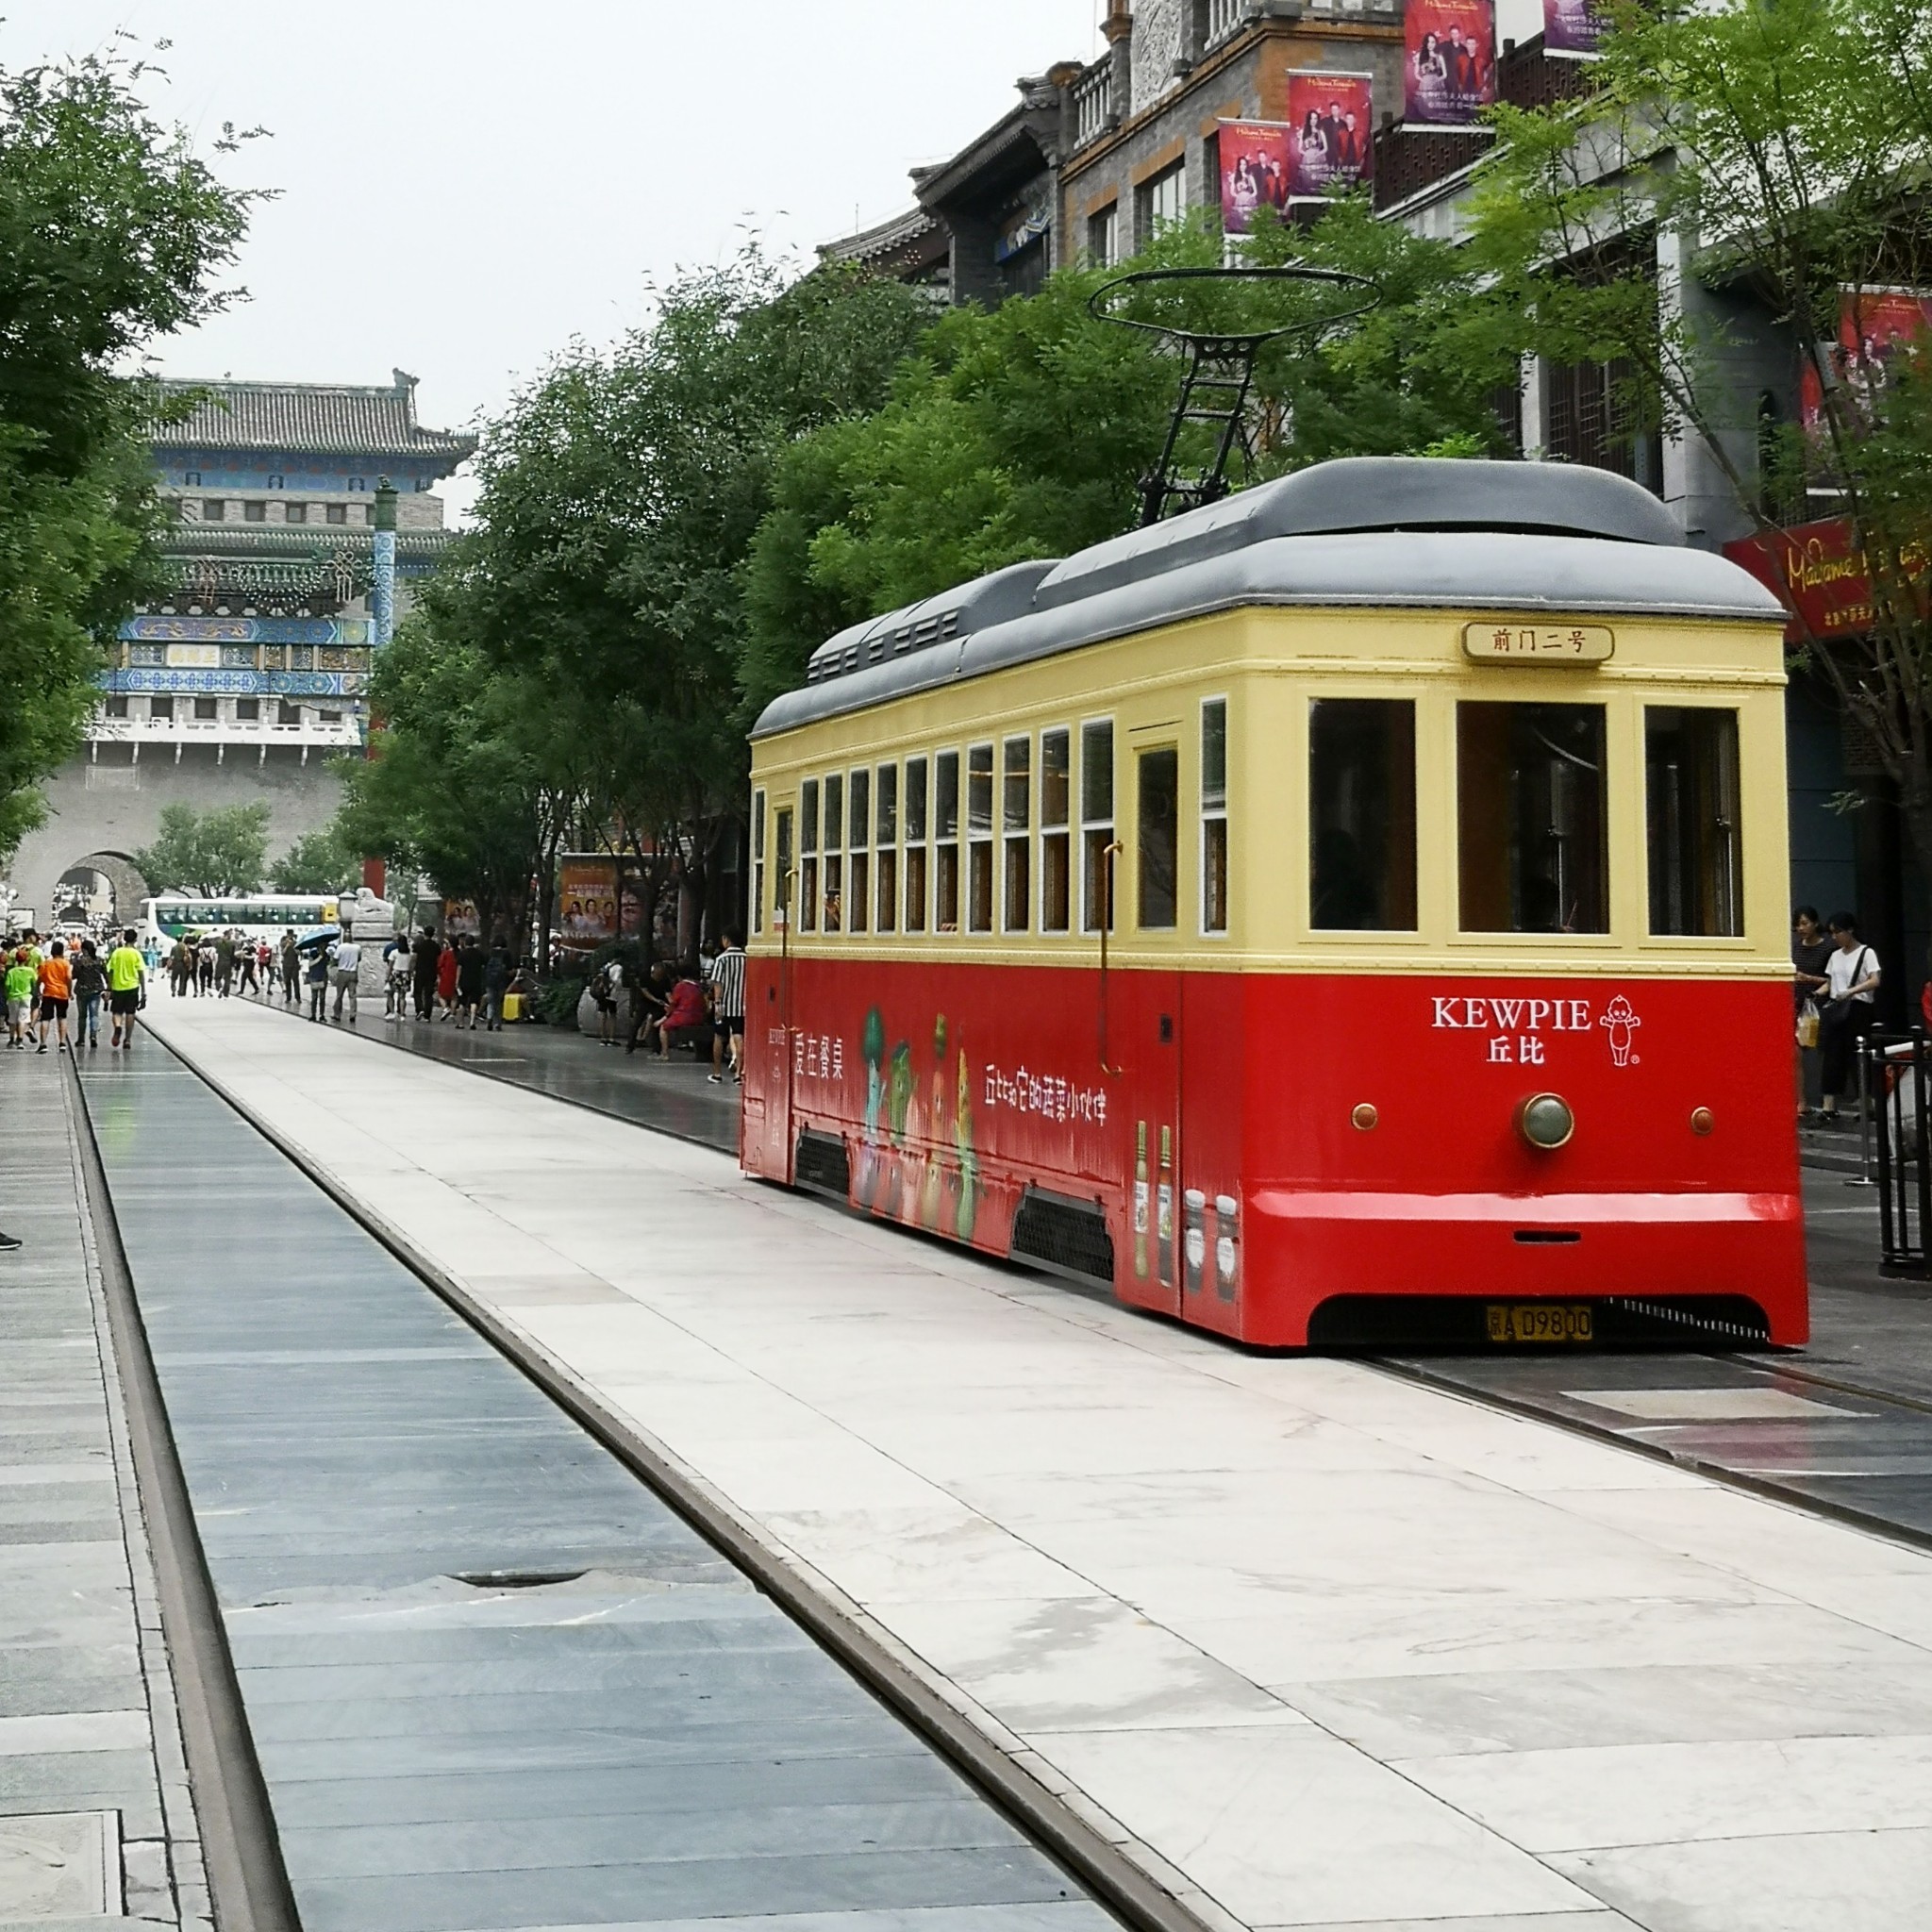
(1321, 1647)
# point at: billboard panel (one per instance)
(1449, 75)
(587, 901)
(1872, 326)
(1572, 29)
(1331, 125)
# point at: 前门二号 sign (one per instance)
(1499, 643)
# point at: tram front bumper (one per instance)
(1306, 1248)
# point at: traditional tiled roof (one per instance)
(332, 419)
(293, 540)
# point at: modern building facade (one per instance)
(236, 685)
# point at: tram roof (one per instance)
(1415, 531)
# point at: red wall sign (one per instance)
(1820, 572)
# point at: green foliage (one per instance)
(320, 861)
(214, 854)
(110, 233)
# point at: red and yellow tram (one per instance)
(1348, 913)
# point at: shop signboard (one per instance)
(1820, 571)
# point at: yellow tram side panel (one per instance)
(1269, 663)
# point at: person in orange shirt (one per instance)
(57, 989)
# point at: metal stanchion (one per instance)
(1863, 1178)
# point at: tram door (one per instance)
(768, 1032)
(1152, 1037)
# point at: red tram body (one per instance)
(1465, 1018)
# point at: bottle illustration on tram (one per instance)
(1164, 1209)
(1474, 768)
(1193, 1238)
(1140, 1199)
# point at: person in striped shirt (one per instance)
(727, 1009)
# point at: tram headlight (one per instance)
(1544, 1120)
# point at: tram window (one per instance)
(1055, 788)
(945, 916)
(1531, 821)
(1158, 804)
(915, 845)
(1214, 815)
(1096, 825)
(758, 861)
(887, 793)
(1016, 826)
(858, 879)
(833, 876)
(1691, 796)
(1361, 814)
(781, 899)
(808, 856)
(979, 838)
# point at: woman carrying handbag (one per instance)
(1846, 1012)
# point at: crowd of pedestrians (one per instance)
(697, 1003)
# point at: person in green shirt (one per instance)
(125, 972)
(22, 979)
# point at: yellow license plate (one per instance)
(1534, 1322)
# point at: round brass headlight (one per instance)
(1544, 1120)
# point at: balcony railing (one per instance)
(1224, 18)
(1093, 103)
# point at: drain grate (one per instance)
(516, 1580)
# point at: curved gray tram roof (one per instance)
(1362, 530)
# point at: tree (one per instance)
(1780, 150)
(111, 232)
(216, 855)
(319, 861)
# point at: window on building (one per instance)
(885, 794)
(248, 710)
(1157, 820)
(1104, 236)
(1016, 831)
(275, 482)
(214, 509)
(1531, 822)
(808, 856)
(1055, 798)
(330, 717)
(1096, 825)
(1690, 800)
(191, 479)
(296, 513)
(254, 510)
(357, 483)
(1159, 203)
(287, 713)
(945, 916)
(160, 705)
(979, 838)
(116, 707)
(205, 710)
(915, 845)
(336, 513)
(1361, 814)
(758, 861)
(1214, 815)
(858, 846)
(1596, 418)
(368, 512)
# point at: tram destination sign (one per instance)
(1498, 641)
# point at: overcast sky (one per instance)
(467, 184)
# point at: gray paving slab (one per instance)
(89, 1811)
(636, 1734)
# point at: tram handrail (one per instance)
(1109, 855)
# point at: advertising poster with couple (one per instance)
(1875, 326)
(1450, 72)
(1255, 168)
(1331, 123)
